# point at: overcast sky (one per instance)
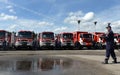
(59, 15)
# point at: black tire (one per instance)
(100, 46)
(89, 47)
(52, 48)
(96, 46)
(31, 48)
(104, 46)
(71, 48)
(119, 47)
(17, 48)
(63, 48)
(77, 45)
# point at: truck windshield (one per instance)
(68, 36)
(87, 36)
(48, 35)
(2, 34)
(25, 34)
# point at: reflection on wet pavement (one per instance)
(35, 65)
(23, 65)
(5, 65)
(43, 65)
(46, 64)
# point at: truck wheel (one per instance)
(95, 45)
(78, 46)
(38, 47)
(63, 48)
(104, 47)
(71, 48)
(17, 48)
(51, 48)
(100, 46)
(30, 48)
(119, 47)
(89, 47)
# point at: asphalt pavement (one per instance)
(89, 60)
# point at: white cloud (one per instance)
(4, 16)
(78, 13)
(34, 25)
(85, 24)
(9, 7)
(60, 29)
(116, 26)
(43, 23)
(12, 11)
(16, 27)
(12, 27)
(89, 16)
(71, 20)
(73, 17)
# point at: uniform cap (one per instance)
(108, 26)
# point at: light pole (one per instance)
(109, 24)
(79, 24)
(95, 25)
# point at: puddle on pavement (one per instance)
(38, 65)
(44, 65)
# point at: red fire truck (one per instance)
(82, 39)
(66, 40)
(24, 39)
(6, 39)
(46, 40)
(117, 39)
(98, 40)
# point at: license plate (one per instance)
(24, 43)
(48, 44)
(68, 44)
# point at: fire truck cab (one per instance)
(98, 40)
(6, 39)
(46, 40)
(82, 39)
(66, 40)
(24, 39)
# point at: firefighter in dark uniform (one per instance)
(110, 45)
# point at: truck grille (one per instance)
(24, 43)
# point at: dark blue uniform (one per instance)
(110, 45)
